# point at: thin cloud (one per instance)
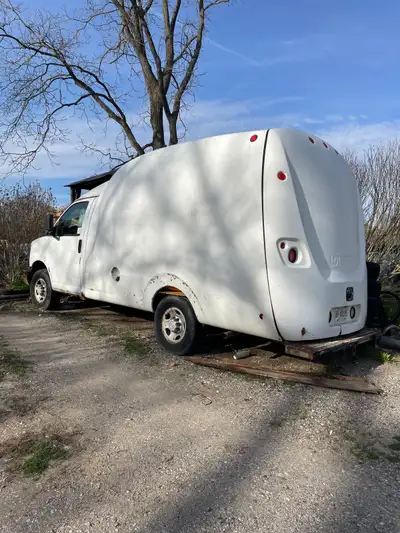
(250, 61)
(358, 137)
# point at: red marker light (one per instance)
(281, 176)
(326, 146)
(282, 245)
(292, 256)
(253, 138)
(311, 140)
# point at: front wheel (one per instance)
(42, 294)
(176, 325)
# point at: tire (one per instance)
(373, 271)
(176, 311)
(42, 294)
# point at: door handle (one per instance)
(79, 246)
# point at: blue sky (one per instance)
(331, 68)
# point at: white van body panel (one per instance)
(209, 218)
(317, 211)
(192, 212)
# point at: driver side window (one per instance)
(72, 220)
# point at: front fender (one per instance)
(170, 280)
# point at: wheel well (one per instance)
(163, 292)
(37, 265)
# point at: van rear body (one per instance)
(261, 232)
(316, 211)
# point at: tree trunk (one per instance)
(173, 128)
(157, 125)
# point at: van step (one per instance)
(314, 349)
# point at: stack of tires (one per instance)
(374, 292)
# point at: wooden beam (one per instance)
(332, 382)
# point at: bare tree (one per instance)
(97, 63)
(22, 211)
(378, 177)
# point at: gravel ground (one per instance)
(160, 448)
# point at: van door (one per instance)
(65, 253)
(314, 234)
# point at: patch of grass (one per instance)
(19, 285)
(42, 454)
(393, 458)
(378, 450)
(395, 446)
(131, 344)
(10, 361)
(33, 454)
(134, 346)
(367, 454)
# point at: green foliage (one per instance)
(41, 455)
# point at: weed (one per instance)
(386, 357)
(366, 454)
(33, 454)
(393, 458)
(134, 346)
(395, 446)
(371, 352)
(19, 285)
(10, 361)
(42, 454)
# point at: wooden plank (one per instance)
(8, 297)
(332, 382)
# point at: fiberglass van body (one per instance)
(260, 233)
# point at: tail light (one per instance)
(292, 255)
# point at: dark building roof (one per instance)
(93, 181)
(90, 183)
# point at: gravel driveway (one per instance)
(160, 448)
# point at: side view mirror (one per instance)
(49, 224)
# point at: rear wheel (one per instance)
(42, 294)
(176, 325)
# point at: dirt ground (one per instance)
(139, 441)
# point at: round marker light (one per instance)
(253, 138)
(281, 176)
(292, 255)
(282, 245)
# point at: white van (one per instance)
(260, 233)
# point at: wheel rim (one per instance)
(40, 290)
(173, 325)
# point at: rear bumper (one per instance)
(313, 350)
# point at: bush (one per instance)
(22, 212)
(378, 177)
